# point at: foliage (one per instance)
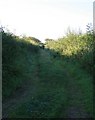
(15, 52)
(32, 40)
(77, 46)
(53, 89)
(52, 75)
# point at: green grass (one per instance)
(84, 84)
(49, 82)
(52, 93)
(49, 93)
(16, 62)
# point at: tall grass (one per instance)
(63, 64)
(15, 56)
(75, 46)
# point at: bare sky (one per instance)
(45, 18)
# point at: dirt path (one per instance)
(75, 107)
(75, 95)
(23, 94)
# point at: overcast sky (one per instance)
(45, 18)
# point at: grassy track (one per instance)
(57, 88)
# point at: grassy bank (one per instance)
(44, 82)
(16, 62)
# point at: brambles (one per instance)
(75, 46)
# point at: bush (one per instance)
(14, 65)
(75, 46)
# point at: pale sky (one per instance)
(45, 18)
